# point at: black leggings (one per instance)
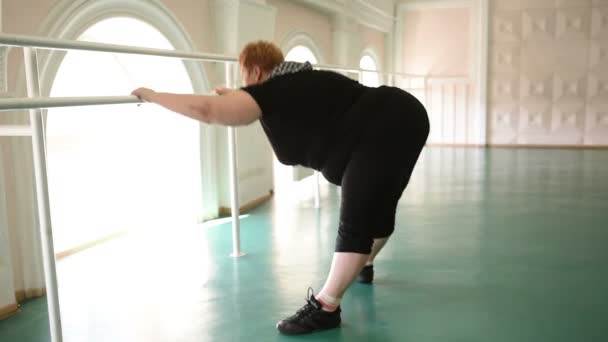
(380, 167)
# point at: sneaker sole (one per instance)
(307, 332)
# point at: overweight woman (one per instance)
(367, 140)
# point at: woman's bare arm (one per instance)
(234, 108)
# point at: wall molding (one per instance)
(29, 293)
(224, 211)
(457, 145)
(364, 12)
(525, 146)
(551, 147)
(69, 19)
(88, 245)
(423, 5)
(295, 38)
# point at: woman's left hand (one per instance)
(144, 94)
(223, 91)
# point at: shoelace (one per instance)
(310, 307)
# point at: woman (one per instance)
(365, 139)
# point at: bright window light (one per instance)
(124, 167)
(369, 79)
(301, 54)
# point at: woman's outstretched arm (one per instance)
(234, 108)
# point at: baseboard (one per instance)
(553, 147)
(456, 145)
(91, 244)
(247, 206)
(8, 311)
(29, 293)
(531, 146)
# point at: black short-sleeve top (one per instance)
(307, 118)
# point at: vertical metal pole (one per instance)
(42, 195)
(234, 182)
(442, 89)
(317, 190)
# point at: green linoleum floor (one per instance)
(491, 245)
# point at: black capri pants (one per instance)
(380, 167)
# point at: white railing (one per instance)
(450, 103)
(52, 102)
(34, 103)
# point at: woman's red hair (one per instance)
(263, 54)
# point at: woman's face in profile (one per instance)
(250, 77)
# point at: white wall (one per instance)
(255, 21)
(375, 41)
(549, 72)
(441, 40)
(254, 150)
(436, 42)
(237, 22)
(293, 17)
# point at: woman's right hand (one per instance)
(144, 94)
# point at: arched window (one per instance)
(115, 168)
(370, 79)
(301, 53)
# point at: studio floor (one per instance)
(491, 245)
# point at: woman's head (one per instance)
(257, 61)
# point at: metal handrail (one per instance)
(17, 103)
(18, 40)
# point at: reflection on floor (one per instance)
(491, 245)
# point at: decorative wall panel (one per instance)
(548, 79)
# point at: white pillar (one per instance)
(3, 60)
(344, 41)
(389, 58)
(236, 22)
(42, 194)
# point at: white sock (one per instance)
(329, 300)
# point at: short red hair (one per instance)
(263, 54)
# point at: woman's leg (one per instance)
(345, 267)
(376, 248)
(366, 276)
(368, 192)
(366, 179)
(371, 186)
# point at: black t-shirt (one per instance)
(307, 119)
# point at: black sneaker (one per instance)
(366, 276)
(310, 318)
